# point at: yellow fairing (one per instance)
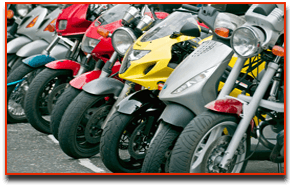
(157, 59)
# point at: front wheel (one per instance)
(157, 157)
(203, 143)
(17, 85)
(60, 107)
(124, 142)
(80, 127)
(47, 83)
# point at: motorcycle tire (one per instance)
(158, 155)
(16, 63)
(16, 94)
(79, 130)
(13, 61)
(35, 103)
(190, 144)
(60, 107)
(115, 148)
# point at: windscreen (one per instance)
(172, 23)
(113, 14)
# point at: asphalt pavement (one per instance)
(29, 151)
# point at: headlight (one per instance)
(246, 41)
(88, 44)
(122, 39)
(131, 55)
(137, 54)
(196, 79)
(22, 9)
(62, 24)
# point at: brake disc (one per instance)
(93, 130)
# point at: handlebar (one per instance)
(190, 7)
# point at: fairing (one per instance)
(160, 53)
(76, 20)
(30, 32)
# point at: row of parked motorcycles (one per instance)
(152, 88)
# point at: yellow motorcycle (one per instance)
(149, 62)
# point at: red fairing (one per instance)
(159, 15)
(64, 64)
(228, 105)
(105, 46)
(76, 20)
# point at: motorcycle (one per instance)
(80, 126)
(78, 82)
(218, 140)
(35, 33)
(21, 77)
(149, 62)
(192, 85)
(15, 12)
(49, 84)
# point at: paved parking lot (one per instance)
(29, 151)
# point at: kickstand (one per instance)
(279, 168)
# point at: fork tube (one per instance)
(51, 45)
(120, 98)
(231, 80)
(248, 113)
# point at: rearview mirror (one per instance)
(190, 29)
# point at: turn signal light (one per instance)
(103, 32)
(277, 50)
(51, 26)
(10, 14)
(32, 23)
(223, 32)
(160, 86)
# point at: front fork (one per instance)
(126, 89)
(249, 109)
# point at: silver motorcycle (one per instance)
(194, 83)
(218, 140)
(34, 35)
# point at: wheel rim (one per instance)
(138, 143)
(43, 100)
(16, 100)
(215, 134)
(126, 141)
(88, 130)
(54, 95)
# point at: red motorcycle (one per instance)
(111, 69)
(47, 85)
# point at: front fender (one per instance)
(140, 101)
(85, 78)
(104, 86)
(38, 60)
(227, 105)
(14, 45)
(32, 48)
(64, 64)
(177, 115)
